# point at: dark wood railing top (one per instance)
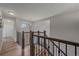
(59, 40)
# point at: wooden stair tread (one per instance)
(42, 53)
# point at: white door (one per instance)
(8, 33)
(8, 29)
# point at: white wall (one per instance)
(42, 26)
(66, 26)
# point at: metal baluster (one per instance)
(36, 49)
(38, 43)
(75, 50)
(41, 46)
(66, 49)
(53, 48)
(48, 46)
(56, 51)
(59, 49)
(61, 53)
(36, 46)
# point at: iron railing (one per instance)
(41, 45)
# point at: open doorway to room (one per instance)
(8, 36)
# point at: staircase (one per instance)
(40, 51)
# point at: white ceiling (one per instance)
(37, 11)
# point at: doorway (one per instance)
(8, 36)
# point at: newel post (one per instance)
(31, 44)
(44, 42)
(38, 37)
(44, 33)
(23, 43)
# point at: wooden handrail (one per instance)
(59, 40)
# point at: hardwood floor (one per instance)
(11, 48)
(17, 52)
